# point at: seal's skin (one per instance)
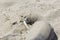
(40, 31)
(52, 36)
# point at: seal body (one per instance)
(40, 31)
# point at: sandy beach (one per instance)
(11, 12)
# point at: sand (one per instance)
(12, 10)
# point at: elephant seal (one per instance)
(41, 30)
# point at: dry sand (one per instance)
(12, 10)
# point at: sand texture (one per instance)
(13, 12)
